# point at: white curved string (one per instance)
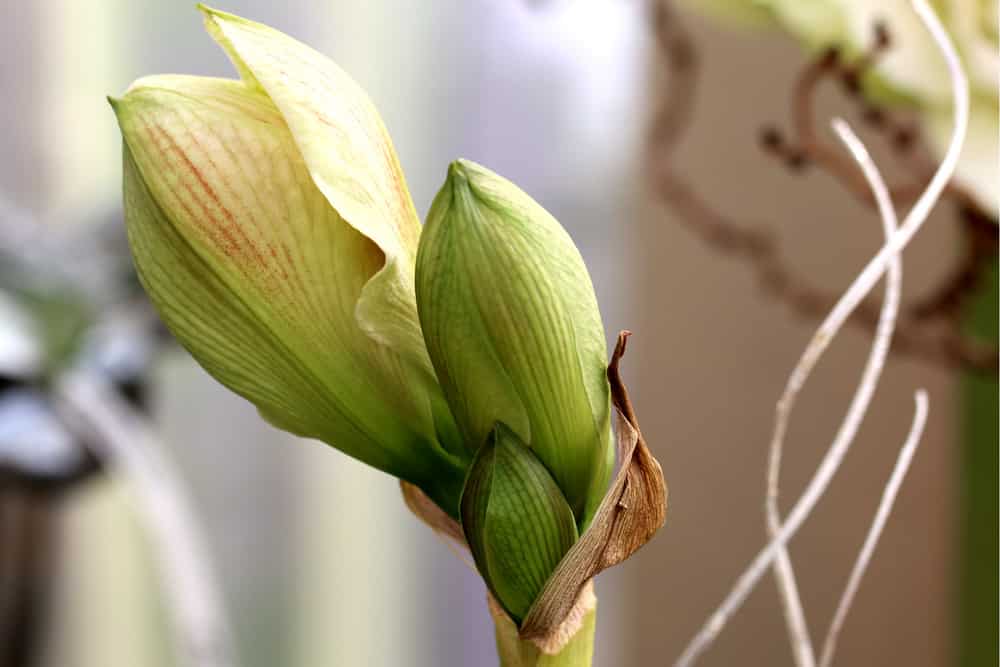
(865, 555)
(784, 572)
(832, 324)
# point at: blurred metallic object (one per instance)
(38, 453)
(39, 459)
(90, 260)
(20, 351)
(27, 531)
(127, 445)
(52, 288)
(77, 341)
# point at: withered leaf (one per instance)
(633, 509)
(571, 644)
(427, 511)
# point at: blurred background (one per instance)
(319, 562)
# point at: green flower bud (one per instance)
(513, 329)
(515, 519)
(271, 226)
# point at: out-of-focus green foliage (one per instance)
(977, 618)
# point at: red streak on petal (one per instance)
(227, 233)
(227, 243)
(226, 213)
(299, 271)
(277, 262)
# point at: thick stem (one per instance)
(578, 651)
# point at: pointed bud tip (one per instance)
(211, 15)
(117, 105)
(466, 172)
(123, 105)
(467, 177)
(471, 171)
(456, 186)
(457, 171)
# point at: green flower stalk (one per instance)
(271, 225)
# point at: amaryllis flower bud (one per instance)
(271, 226)
(516, 521)
(512, 326)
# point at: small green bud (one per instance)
(513, 329)
(515, 519)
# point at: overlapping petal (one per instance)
(260, 277)
(512, 326)
(515, 519)
(350, 157)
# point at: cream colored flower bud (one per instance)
(272, 227)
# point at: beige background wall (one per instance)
(710, 357)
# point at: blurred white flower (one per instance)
(912, 67)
